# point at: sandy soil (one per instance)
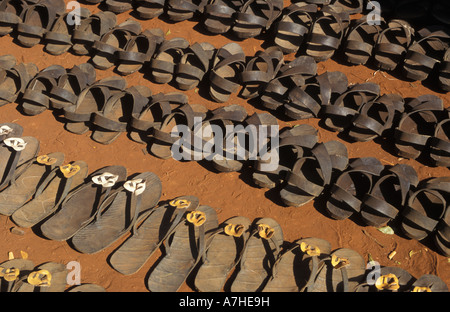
(230, 194)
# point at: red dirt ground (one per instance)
(230, 193)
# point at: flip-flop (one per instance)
(118, 213)
(24, 186)
(260, 253)
(10, 11)
(389, 279)
(51, 193)
(14, 80)
(429, 283)
(10, 129)
(290, 272)
(79, 207)
(184, 251)
(152, 231)
(347, 193)
(13, 272)
(47, 277)
(388, 195)
(222, 255)
(113, 119)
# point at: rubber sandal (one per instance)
(79, 207)
(13, 272)
(70, 84)
(118, 213)
(10, 11)
(237, 150)
(14, 80)
(417, 125)
(105, 50)
(222, 255)
(292, 145)
(375, 118)
(92, 29)
(349, 6)
(138, 51)
(23, 186)
(228, 62)
(153, 228)
(88, 287)
(164, 62)
(260, 70)
(181, 10)
(438, 147)
(388, 195)
(392, 45)
(37, 19)
(151, 115)
(306, 101)
(342, 271)
(172, 128)
(92, 99)
(118, 6)
(50, 193)
(256, 17)
(7, 61)
(36, 96)
(149, 9)
(360, 41)
(338, 116)
(290, 76)
(47, 277)
(429, 283)
(110, 122)
(327, 33)
(58, 39)
(289, 273)
(346, 195)
(294, 26)
(184, 251)
(14, 152)
(425, 52)
(193, 65)
(10, 129)
(260, 253)
(390, 279)
(444, 72)
(218, 15)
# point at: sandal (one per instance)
(50, 193)
(289, 271)
(444, 72)
(92, 29)
(327, 33)
(48, 277)
(255, 17)
(360, 41)
(259, 71)
(91, 100)
(13, 272)
(313, 172)
(346, 195)
(223, 253)
(165, 60)
(349, 6)
(36, 96)
(294, 26)
(193, 65)
(105, 50)
(228, 63)
(23, 186)
(260, 253)
(389, 279)
(113, 119)
(342, 271)
(388, 195)
(338, 116)
(118, 213)
(10, 10)
(151, 115)
(417, 125)
(439, 144)
(392, 45)
(429, 283)
(119, 6)
(218, 15)
(10, 129)
(442, 235)
(14, 80)
(138, 51)
(79, 207)
(306, 101)
(184, 251)
(290, 76)
(156, 225)
(70, 84)
(181, 10)
(424, 53)
(149, 9)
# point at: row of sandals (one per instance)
(95, 210)
(319, 33)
